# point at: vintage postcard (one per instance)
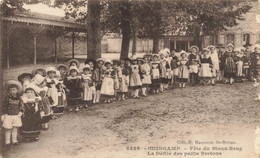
(130, 79)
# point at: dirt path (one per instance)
(208, 113)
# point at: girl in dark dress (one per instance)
(73, 84)
(32, 119)
(229, 64)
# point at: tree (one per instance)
(89, 12)
(209, 18)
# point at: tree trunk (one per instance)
(93, 30)
(156, 44)
(126, 29)
(134, 41)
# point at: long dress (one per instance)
(46, 106)
(205, 69)
(107, 87)
(174, 65)
(52, 91)
(32, 118)
(87, 83)
(183, 70)
(229, 65)
(145, 70)
(123, 76)
(240, 60)
(155, 74)
(255, 64)
(135, 79)
(75, 89)
(215, 62)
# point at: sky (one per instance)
(45, 9)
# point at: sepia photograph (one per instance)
(130, 78)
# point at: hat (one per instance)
(162, 52)
(86, 66)
(167, 50)
(220, 46)
(32, 86)
(255, 46)
(183, 52)
(20, 77)
(16, 83)
(75, 61)
(230, 45)
(210, 47)
(156, 55)
(62, 65)
(90, 60)
(49, 69)
(127, 59)
(148, 54)
(247, 44)
(107, 61)
(99, 59)
(205, 50)
(140, 59)
(38, 79)
(194, 47)
(73, 68)
(39, 69)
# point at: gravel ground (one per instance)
(223, 112)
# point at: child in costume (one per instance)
(155, 74)
(107, 87)
(240, 60)
(183, 70)
(116, 80)
(73, 83)
(98, 78)
(205, 72)
(146, 73)
(32, 117)
(51, 83)
(42, 90)
(87, 83)
(194, 61)
(229, 64)
(123, 77)
(92, 64)
(12, 112)
(135, 79)
(174, 67)
(165, 70)
(215, 63)
(255, 61)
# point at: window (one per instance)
(230, 38)
(246, 38)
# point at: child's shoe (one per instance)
(86, 106)
(77, 109)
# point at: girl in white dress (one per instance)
(107, 87)
(146, 75)
(87, 83)
(135, 79)
(183, 70)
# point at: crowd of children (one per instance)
(44, 94)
